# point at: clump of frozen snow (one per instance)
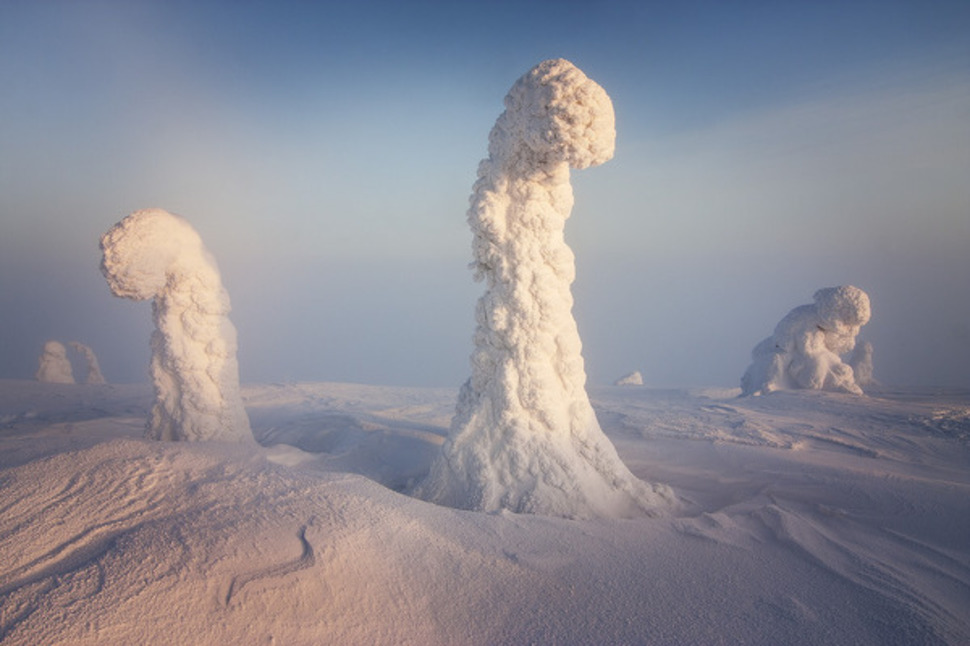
(524, 436)
(53, 365)
(632, 379)
(806, 347)
(152, 254)
(861, 362)
(92, 368)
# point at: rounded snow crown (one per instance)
(554, 113)
(842, 306)
(141, 252)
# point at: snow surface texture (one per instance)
(53, 365)
(805, 350)
(524, 436)
(632, 379)
(806, 518)
(92, 373)
(154, 254)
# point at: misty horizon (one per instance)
(326, 155)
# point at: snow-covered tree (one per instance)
(53, 365)
(153, 254)
(806, 348)
(93, 369)
(525, 437)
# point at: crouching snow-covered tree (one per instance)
(53, 365)
(524, 436)
(153, 254)
(806, 348)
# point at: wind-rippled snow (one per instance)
(808, 518)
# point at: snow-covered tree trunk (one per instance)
(525, 437)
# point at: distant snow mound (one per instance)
(93, 368)
(806, 347)
(53, 365)
(632, 379)
(524, 436)
(153, 254)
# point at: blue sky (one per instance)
(326, 151)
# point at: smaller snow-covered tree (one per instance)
(153, 254)
(93, 369)
(53, 365)
(806, 348)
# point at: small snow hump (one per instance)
(632, 379)
(152, 254)
(806, 347)
(525, 437)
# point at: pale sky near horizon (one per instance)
(326, 151)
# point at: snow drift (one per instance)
(524, 436)
(53, 365)
(152, 254)
(806, 347)
(92, 373)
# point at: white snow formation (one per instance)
(524, 437)
(93, 369)
(806, 347)
(53, 365)
(152, 254)
(632, 379)
(861, 362)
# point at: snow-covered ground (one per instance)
(804, 518)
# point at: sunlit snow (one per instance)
(807, 517)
